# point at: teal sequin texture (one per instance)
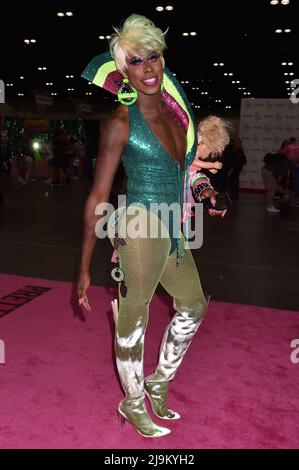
(153, 175)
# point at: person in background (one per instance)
(220, 179)
(25, 159)
(283, 147)
(238, 160)
(292, 153)
(60, 157)
(47, 154)
(274, 172)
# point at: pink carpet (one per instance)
(237, 387)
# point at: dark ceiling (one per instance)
(240, 34)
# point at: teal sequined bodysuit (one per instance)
(153, 175)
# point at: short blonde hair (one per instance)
(213, 132)
(138, 33)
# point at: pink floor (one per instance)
(237, 387)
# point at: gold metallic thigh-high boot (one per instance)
(129, 359)
(176, 340)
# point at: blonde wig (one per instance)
(213, 132)
(137, 34)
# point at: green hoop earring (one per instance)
(127, 94)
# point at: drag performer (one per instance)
(153, 132)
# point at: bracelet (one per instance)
(200, 188)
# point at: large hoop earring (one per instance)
(127, 94)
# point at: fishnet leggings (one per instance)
(146, 262)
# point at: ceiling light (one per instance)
(283, 63)
(169, 8)
(53, 94)
(33, 41)
(69, 13)
(108, 37)
(288, 30)
(274, 2)
(60, 14)
(193, 33)
(221, 64)
(159, 8)
(21, 77)
(290, 63)
(278, 31)
(20, 94)
(185, 34)
(27, 41)
(230, 74)
(285, 2)
(9, 84)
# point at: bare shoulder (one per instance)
(116, 128)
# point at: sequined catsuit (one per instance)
(153, 176)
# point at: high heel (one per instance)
(121, 419)
(134, 411)
(156, 393)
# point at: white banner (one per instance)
(264, 125)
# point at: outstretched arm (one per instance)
(112, 142)
(207, 165)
